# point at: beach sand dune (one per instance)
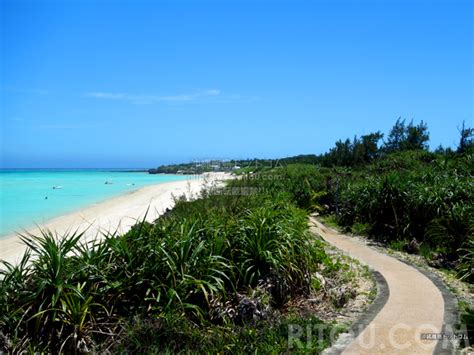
(116, 214)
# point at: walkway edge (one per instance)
(346, 338)
(383, 293)
(451, 311)
(451, 316)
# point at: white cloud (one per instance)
(106, 95)
(149, 99)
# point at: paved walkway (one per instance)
(414, 306)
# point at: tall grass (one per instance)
(188, 269)
(71, 296)
(399, 198)
(427, 203)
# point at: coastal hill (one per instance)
(199, 167)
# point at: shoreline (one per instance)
(67, 211)
(115, 214)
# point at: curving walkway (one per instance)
(414, 305)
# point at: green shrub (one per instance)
(360, 228)
(425, 197)
(69, 295)
(173, 333)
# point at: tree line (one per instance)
(401, 137)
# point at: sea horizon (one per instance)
(74, 169)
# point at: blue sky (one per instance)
(140, 83)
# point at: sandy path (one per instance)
(118, 213)
(414, 306)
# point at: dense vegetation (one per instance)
(196, 167)
(212, 274)
(216, 274)
(199, 167)
(398, 192)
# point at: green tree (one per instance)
(340, 155)
(396, 136)
(466, 140)
(358, 152)
(370, 143)
(416, 137)
(411, 137)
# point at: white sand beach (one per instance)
(116, 214)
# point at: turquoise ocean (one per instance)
(29, 197)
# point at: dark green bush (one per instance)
(423, 197)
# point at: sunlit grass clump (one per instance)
(193, 264)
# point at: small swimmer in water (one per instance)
(46, 197)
